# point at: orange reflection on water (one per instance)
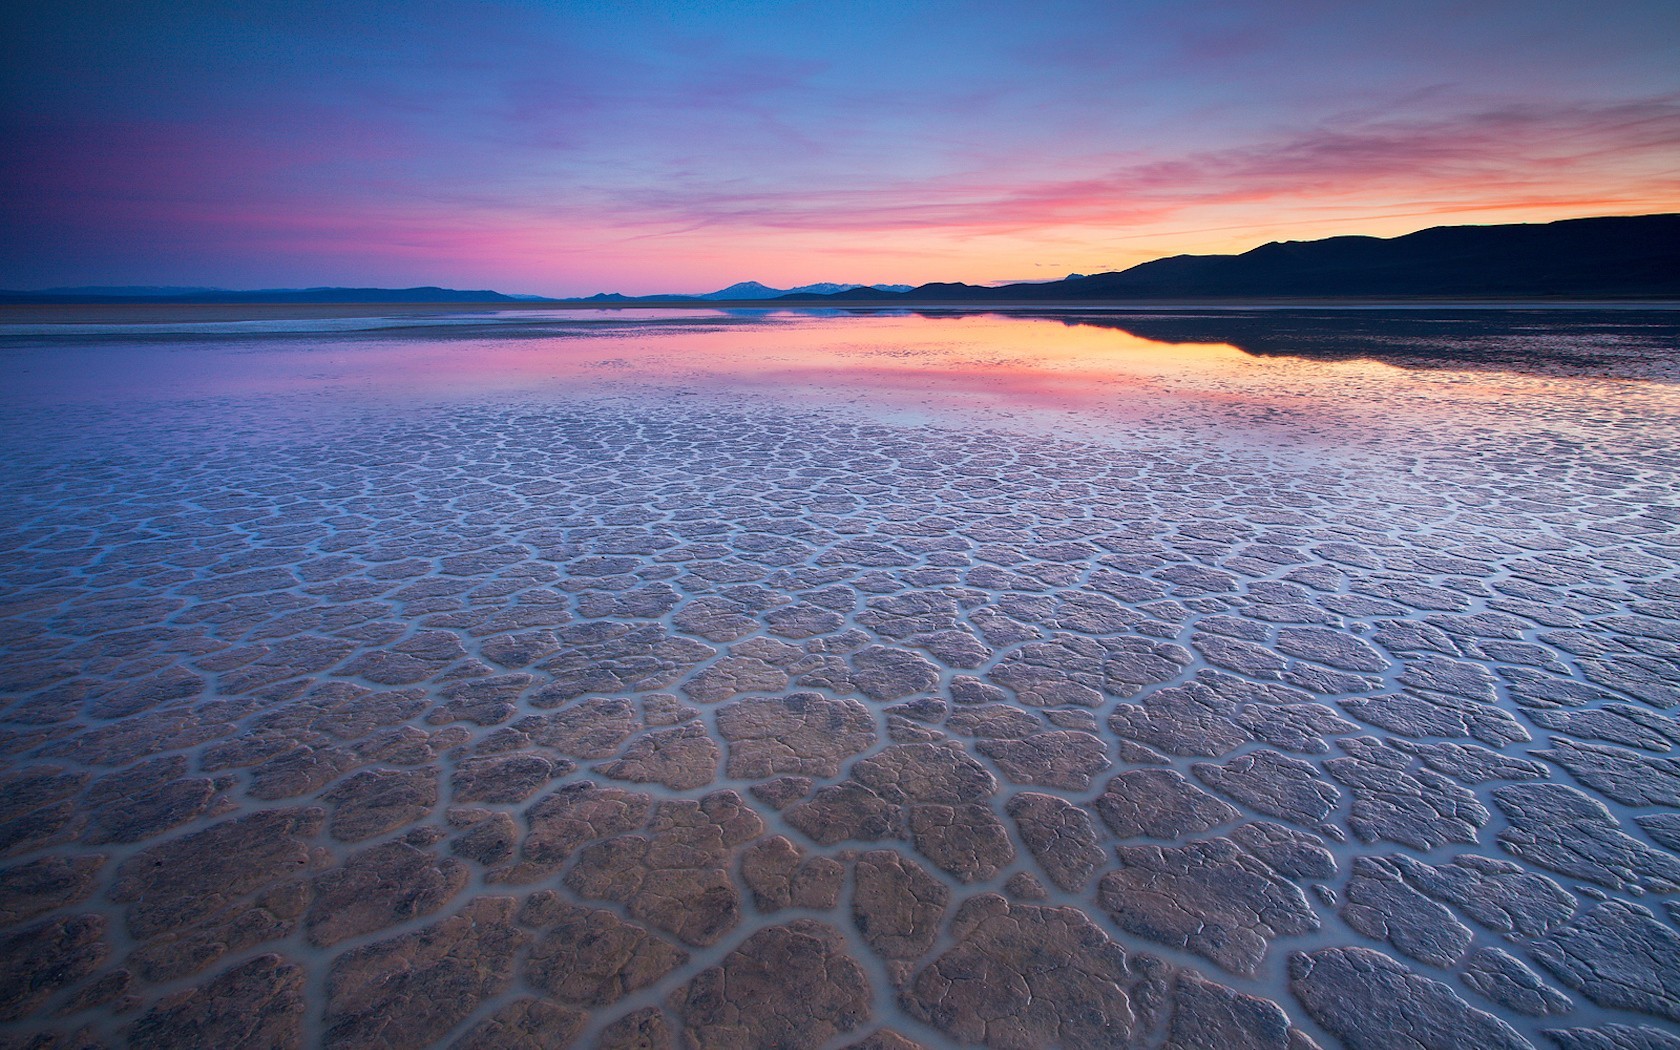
(973, 368)
(941, 364)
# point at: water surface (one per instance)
(773, 678)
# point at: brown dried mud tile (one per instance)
(782, 792)
(644, 1029)
(144, 801)
(1294, 727)
(884, 1039)
(925, 772)
(1503, 980)
(1159, 803)
(779, 876)
(1616, 723)
(1499, 895)
(1471, 764)
(1292, 854)
(1063, 758)
(1334, 648)
(525, 1024)
(967, 840)
(1024, 886)
(803, 734)
(119, 743)
(488, 839)
(846, 810)
(591, 957)
(1616, 773)
(45, 884)
(883, 673)
(896, 905)
(259, 1003)
(663, 709)
(38, 961)
(206, 877)
(676, 876)
(994, 722)
(733, 676)
(592, 728)
(1417, 715)
(1613, 1037)
(1061, 836)
(482, 701)
(1209, 1016)
(563, 820)
(1277, 785)
(1567, 831)
(423, 656)
(1369, 1001)
(503, 778)
(411, 989)
(1420, 808)
(901, 730)
(682, 759)
(1618, 955)
(1210, 897)
(1379, 904)
(1022, 976)
(375, 801)
(28, 790)
(377, 888)
(299, 771)
(788, 986)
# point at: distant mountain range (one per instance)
(171, 295)
(752, 291)
(1597, 258)
(1616, 257)
(1612, 257)
(745, 291)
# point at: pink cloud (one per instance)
(1479, 159)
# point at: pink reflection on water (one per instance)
(949, 361)
(962, 368)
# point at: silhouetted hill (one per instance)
(1611, 257)
(1614, 257)
(264, 295)
(747, 290)
(755, 290)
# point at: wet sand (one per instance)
(780, 681)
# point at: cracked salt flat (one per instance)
(788, 680)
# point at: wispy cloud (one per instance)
(576, 146)
(1497, 158)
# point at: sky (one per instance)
(566, 148)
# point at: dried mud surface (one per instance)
(661, 722)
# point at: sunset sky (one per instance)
(569, 148)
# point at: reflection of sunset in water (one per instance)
(961, 368)
(728, 640)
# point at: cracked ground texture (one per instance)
(624, 717)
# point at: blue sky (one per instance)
(577, 147)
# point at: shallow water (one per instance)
(771, 678)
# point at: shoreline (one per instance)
(171, 313)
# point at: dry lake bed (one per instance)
(1211, 679)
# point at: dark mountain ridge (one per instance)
(1609, 257)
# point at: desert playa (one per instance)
(784, 679)
(771, 525)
